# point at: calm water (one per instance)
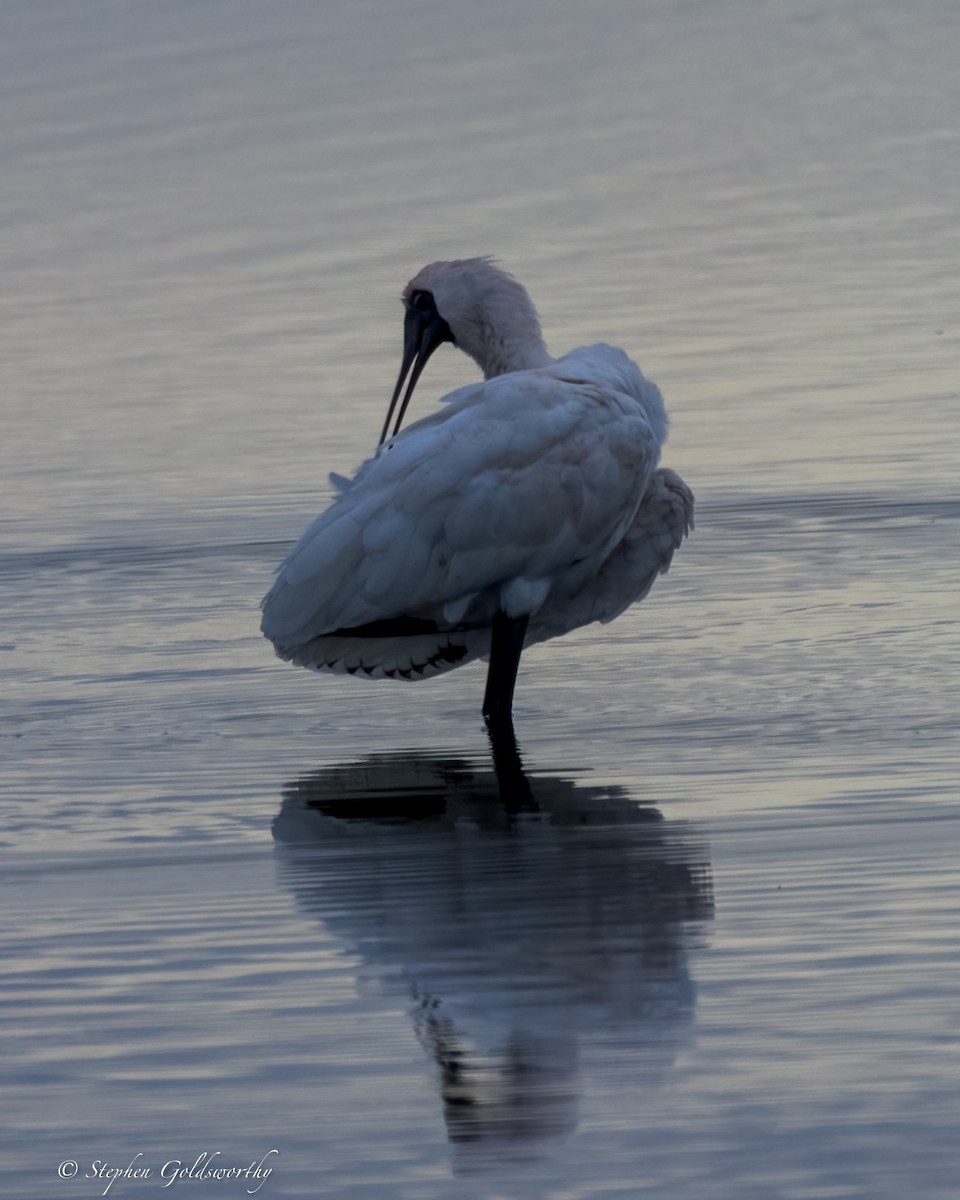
(715, 952)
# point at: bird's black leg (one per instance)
(514, 787)
(506, 643)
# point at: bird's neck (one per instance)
(503, 334)
(503, 353)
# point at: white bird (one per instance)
(528, 505)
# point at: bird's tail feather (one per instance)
(417, 656)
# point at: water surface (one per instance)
(710, 948)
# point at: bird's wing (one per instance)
(515, 478)
(664, 518)
(662, 521)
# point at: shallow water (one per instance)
(712, 949)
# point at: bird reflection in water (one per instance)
(541, 926)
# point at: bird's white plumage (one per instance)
(534, 493)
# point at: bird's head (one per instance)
(476, 306)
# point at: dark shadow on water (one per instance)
(540, 929)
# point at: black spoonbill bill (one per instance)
(527, 505)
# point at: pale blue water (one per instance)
(716, 952)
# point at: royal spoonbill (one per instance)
(525, 506)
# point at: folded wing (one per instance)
(516, 487)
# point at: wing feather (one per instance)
(527, 476)
(662, 521)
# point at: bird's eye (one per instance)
(421, 300)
